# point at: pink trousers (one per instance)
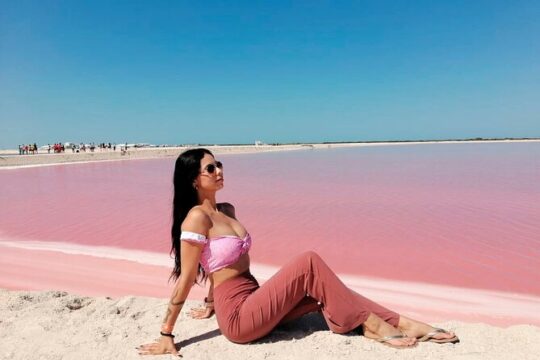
(246, 311)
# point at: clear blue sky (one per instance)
(235, 72)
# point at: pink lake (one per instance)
(464, 215)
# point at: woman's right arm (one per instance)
(190, 254)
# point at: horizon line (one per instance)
(314, 142)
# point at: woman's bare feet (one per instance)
(378, 329)
(419, 330)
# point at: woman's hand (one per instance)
(165, 345)
(202, 312)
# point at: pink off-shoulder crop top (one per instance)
(220, 251)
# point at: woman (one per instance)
(209, 242)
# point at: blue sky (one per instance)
(235, 72)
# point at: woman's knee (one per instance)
(311, 256)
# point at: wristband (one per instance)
(208, 303)
(167, 335)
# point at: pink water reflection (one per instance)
(457, 214)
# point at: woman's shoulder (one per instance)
(197, 220)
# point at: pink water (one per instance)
(465, 215)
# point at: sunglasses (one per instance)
(211, 168)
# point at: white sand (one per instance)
(58, 325)
(68, 157)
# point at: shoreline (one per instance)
(9, 159)
(87, 270)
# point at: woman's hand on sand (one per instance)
(165, 345)
(202, 312)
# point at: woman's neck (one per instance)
(208, 202)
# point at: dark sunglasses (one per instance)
(211, 168)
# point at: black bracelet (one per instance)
(167, 335)
(208, 303)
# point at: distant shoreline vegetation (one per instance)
(368, 141)
(438, 140)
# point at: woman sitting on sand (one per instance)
(208, 241)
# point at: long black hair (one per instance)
(186, 170)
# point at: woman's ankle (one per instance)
(372, 324)
(377, 327)
(404, 323)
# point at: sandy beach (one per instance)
(10, 160)
(61, 325)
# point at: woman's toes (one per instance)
(405, 342)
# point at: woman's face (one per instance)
(210, 174)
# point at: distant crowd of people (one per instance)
(75, 148)
(26, 149)
(92, 147)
